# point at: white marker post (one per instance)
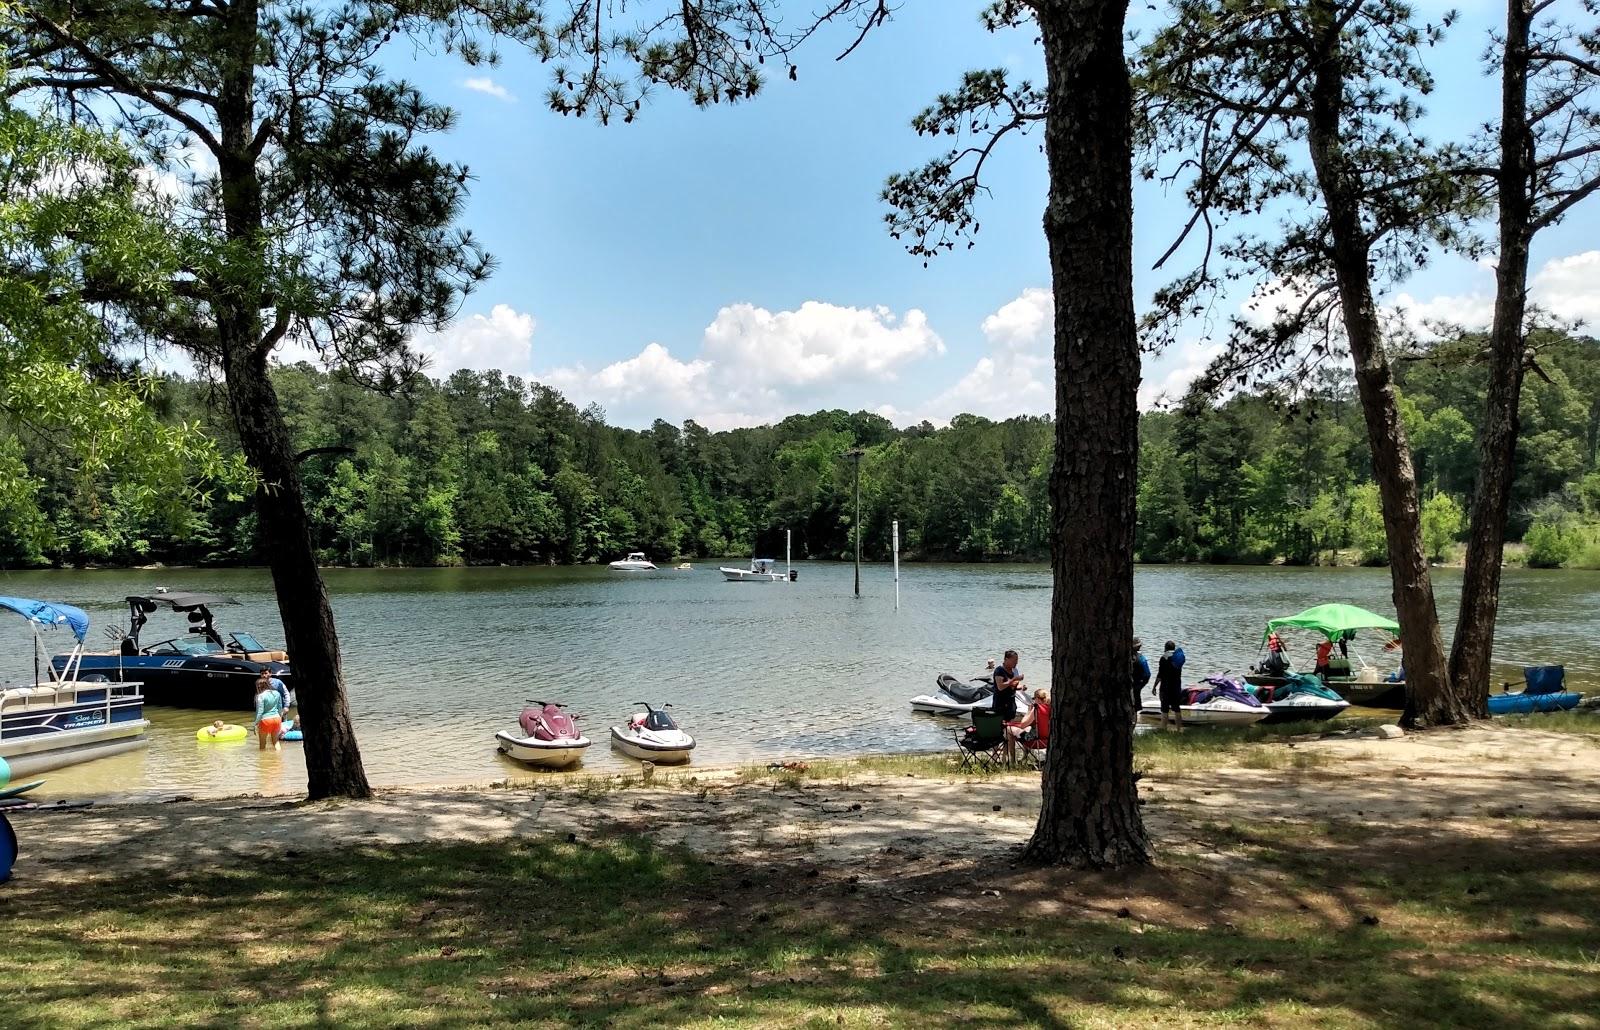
(896, 564)
(788, 552)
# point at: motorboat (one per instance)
(1218, 703)
(1544, 690)
(685, 567)
(65, 719)
(1303, 699)
(652, 736)
(955, 697)
(634, 562)
(197, 670)
(1358, 682)
(549, 737)
(761, 570)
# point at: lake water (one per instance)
(436, 660)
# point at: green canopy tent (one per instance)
(1333, 621)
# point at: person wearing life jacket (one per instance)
(1169, 683)
(1138, 676)
(1277, 663)
(1324, 656)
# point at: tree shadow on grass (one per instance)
(1297, 924)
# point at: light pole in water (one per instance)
(854, 454)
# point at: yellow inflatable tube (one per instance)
(227, 732)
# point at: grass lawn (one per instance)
(1286, 924)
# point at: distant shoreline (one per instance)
(1515, 559)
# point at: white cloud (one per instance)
(1566, 287)
(1470, 311)
(819, 344)
(1017, 375)
(1569, 287)
(1272, 301)
(755, 365)
(1168, 377)
(484, 84)
(502, 340)
(1025, 322)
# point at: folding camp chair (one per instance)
(982, 744)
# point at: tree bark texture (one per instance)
(1430, 700)
(333, 761)
(1473, 646)
(1090, 812)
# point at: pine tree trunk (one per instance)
(1090, 813)
(1473, 646)
(333, 761)
(1430, 699)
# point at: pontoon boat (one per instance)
(65, 720)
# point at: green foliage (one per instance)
(73, 224)
(1366, 525)
(483, 468)
(1551, 543)
(1442, 519)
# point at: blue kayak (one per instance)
(1523, 703)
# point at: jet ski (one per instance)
(549, 738)
(652, 736)
(1302, 699)
(956, 697)
(1220, 703)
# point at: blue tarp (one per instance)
(49, 613)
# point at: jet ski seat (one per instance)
(966, 693)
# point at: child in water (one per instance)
(269, 712)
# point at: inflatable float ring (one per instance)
(209, 734)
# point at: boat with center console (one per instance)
(72, 716)
(197, 670)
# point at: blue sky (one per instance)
(731, 264)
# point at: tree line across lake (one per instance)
(484, 468)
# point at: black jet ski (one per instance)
(955, 696)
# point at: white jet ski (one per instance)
(1208, 707)
(1302, 706)
(652, 736)
(958, 698)
(955, 697)
(549, 738)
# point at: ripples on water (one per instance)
(438, 659)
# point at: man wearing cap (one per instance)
(1139, 674)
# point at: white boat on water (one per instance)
(62, 721)
(760, 571)
(635, 562)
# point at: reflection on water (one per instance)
(438, 659)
